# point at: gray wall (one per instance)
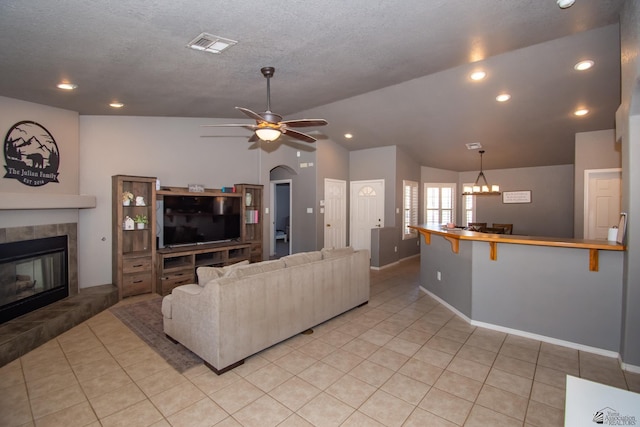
(628, 129)
(303, 194)
(538, 290)
(406, 168)
(550, 292)
(455, 269)
(549, 214)
(594, 150)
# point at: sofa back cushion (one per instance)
(334, 253)
(255, 268)
(207, 274)
(302, 258)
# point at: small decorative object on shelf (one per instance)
(127, 197)
(196, 188)
(141, 221)
(128, 223)
(140, 201)
(247, 199)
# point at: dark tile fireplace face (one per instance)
(33, 274)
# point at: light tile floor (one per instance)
(402, 360)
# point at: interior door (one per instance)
(335, 213)
(367, 211)
(602, 202)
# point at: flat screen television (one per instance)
(189, 220)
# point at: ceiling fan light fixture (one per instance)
(268, 134)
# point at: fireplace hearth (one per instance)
(25, 332)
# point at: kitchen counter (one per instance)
(563, 291)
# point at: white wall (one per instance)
(171, 149)
(63, 126)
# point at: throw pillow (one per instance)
(206, 274)
(302, 258)
(255, 268)
(333, 253)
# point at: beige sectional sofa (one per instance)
(237, 311)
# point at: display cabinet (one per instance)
(252, 211)
(133, 234)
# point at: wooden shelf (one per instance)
(133, 251)
(177, 266)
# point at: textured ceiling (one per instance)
(390, 72)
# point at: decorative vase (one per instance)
(140, 225)
(247, 199)
(126, 202)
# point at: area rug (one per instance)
(145, 319)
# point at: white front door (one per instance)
(367, 211)
(602, 202)
(335, 213)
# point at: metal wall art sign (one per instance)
(31, 154)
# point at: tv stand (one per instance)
(177, 265)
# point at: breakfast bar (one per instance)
(567, 291)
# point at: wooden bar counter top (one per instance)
(453, 236)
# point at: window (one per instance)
(468, 208)
(410, 202)
(440, 205)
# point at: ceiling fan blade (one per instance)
(250, 127)
(298, 135)
(300, 123)
(252, 114)
(253, 138)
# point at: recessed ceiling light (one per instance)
(348, 135)
(116, 105)
(583, 65)
(67, 86)
(565, 3)
(581, 112)
(478, 75)
(503, 97)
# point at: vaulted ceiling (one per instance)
(391, 72)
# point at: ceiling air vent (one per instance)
(210, 43)
(473, 146)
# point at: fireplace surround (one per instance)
(28, 331)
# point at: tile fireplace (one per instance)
(25, 275)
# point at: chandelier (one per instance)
(480, 189)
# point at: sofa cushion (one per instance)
(255, 268)
(302, 258)
(206, 274)
(334, 253)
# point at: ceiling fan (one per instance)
(269, 126)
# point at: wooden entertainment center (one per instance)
(140, 267)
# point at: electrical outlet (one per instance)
(438, 276)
